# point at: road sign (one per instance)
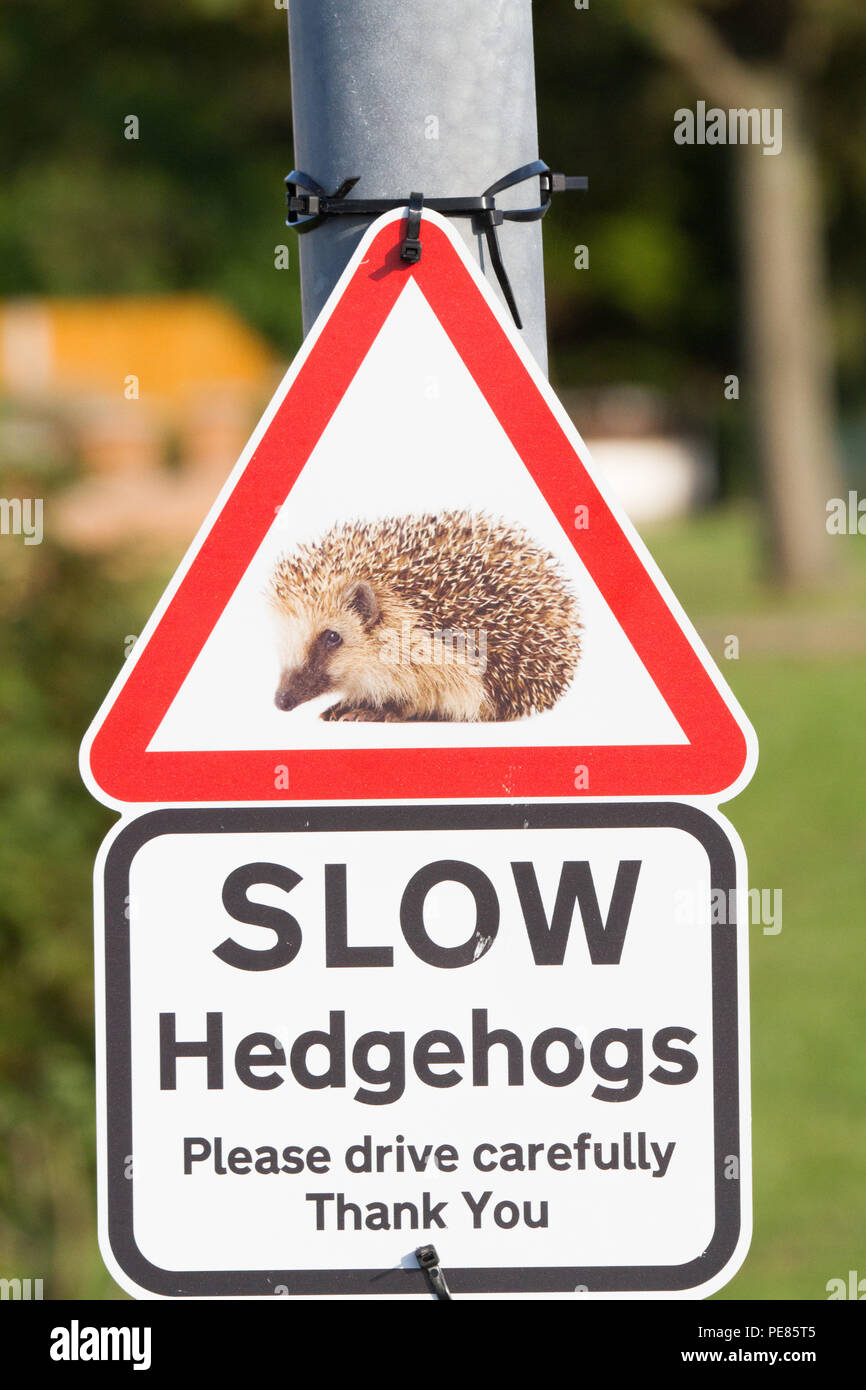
(413, 407)
(333, 1034)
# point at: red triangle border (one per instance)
(120, 764)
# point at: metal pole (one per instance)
(412, 95)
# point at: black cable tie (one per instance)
(566, 183)
(428, 1260)
(488, 224)
(411, 248)
(308, 204)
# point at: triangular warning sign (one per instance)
(416, 432)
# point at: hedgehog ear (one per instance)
(358, 595)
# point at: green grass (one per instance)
(803, 823)
(715, 565)
(804, 827)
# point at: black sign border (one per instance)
(644, 1279)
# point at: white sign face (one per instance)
(333, 1035)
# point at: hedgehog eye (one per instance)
(332, 639)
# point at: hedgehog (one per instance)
(454, 616)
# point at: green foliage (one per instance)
(196, 202)
(61, 641)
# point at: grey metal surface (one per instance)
(411, 95)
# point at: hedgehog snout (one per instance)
(302, 684)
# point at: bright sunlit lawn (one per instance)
(803, 822)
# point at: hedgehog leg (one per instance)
(364, 714)
(337, 711)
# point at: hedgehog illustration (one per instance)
(438, 617)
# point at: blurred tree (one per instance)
(739, 60)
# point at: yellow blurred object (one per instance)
(174, 345)
(159, 396)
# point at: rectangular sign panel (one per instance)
(331, 1035)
